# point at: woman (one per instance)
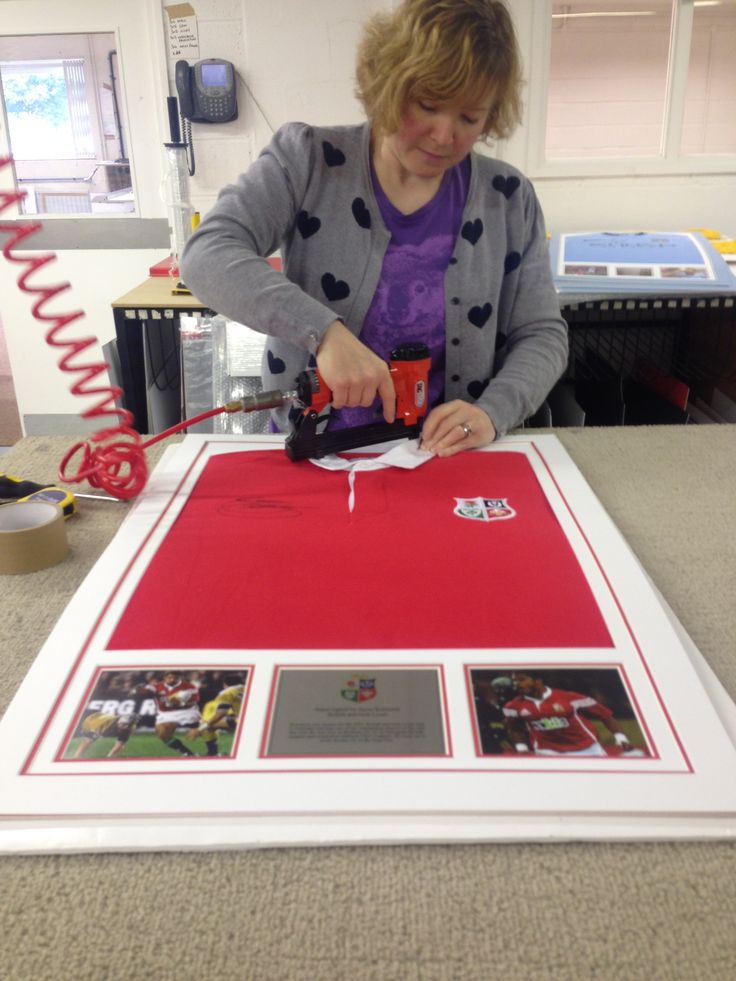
(395, 231)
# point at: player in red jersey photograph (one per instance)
(551, 721)
(177, 707)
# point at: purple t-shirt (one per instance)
(409, 302)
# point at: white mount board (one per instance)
(681, 783)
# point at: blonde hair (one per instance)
(440, 50)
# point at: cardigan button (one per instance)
(455, 300)
(455, 341)
(456, 378)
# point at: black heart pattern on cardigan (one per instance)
(476, 388)
(334, 289)
(275, 365)
(472, 230)
(334, 157)
(361, 214)
(512, 261)
(478, 316)
(307, 224)
(506, 185)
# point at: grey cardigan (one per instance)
(310, 194)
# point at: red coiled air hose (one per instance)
(113, 457)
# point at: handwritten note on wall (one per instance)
(182, 32)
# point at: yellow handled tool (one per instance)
(16, 489)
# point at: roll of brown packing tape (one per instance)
(32, 536)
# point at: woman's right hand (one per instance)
(353, 373)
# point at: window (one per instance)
(119, 103)
(607, 78)
(710, 99)
(60, 95)
(38, 102)
(643, 80)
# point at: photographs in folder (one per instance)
(635, 254)
(159, 713)
(564, 713)
(356, 711)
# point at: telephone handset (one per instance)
(206, 91)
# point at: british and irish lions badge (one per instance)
(483, 508)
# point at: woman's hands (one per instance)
(353, 373)
(356, 376)
(455, 426)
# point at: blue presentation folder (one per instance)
(638, 264)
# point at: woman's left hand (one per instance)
(455, 426)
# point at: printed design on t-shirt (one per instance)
(359, 689)
(410, 296)
(484, 508)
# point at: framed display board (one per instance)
(638, 263)
(273, 653)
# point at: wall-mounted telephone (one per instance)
(206, 95)
(206, 91)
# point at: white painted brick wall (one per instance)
(297, 59)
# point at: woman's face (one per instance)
(433, 136)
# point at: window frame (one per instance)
(670, 161)
(7, 69)
(138, 31)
